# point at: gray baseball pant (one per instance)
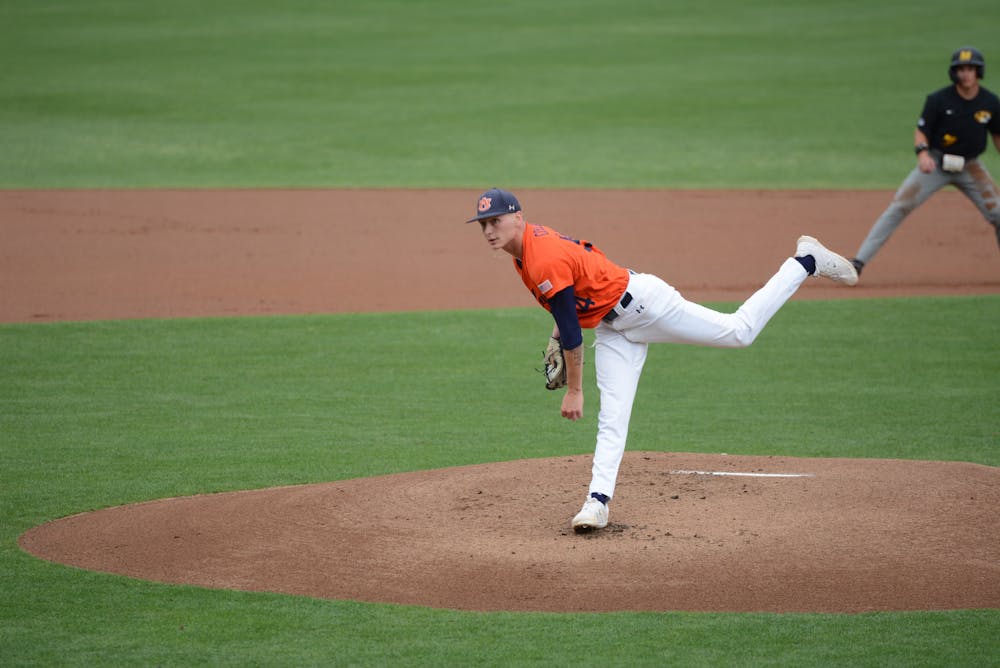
(974, 182)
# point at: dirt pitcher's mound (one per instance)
(688, 532)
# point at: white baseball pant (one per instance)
(659, 314)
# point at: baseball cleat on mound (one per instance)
(593, 515)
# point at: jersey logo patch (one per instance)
(545, 286)
(948, 140)
(983, 116)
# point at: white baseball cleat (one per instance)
(593, 515)
(828, 264)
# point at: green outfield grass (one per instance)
(106, 413)
(589, 93)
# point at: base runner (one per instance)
(948, 140)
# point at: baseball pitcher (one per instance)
(628, 310)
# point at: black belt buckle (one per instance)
(613, 314)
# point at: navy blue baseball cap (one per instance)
(495, 202)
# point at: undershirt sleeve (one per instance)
(563, 306)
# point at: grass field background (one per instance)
(588, 93)
(461, 94)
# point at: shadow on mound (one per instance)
(844, 536)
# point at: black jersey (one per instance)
(956, 125)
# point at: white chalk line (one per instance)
(748, 474)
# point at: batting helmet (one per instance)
(967, 55)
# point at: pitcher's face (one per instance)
(503, 232)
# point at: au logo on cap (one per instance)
(495, 202)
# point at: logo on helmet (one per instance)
(967, 55)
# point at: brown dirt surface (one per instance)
(845, 536)
(101, 254)
(849, 536)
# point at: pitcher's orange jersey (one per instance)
(552, 262)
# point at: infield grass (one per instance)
(459, 93)
(106, 413)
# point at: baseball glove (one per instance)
(555, 365)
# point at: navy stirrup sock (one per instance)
(808, 263)
(603, 498)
